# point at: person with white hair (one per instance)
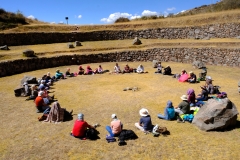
(80, 126)
(145, 123)
(140, 69)
(39, 102)
(209, 85)
(116, 126)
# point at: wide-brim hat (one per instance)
(114, 116)
(184, 97)
(191, 72)
(143, 112)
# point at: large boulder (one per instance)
(5, 47)
(29, 80)
(28, 53)
(136, 41)
(216, 115)
(198, 64)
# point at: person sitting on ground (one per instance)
(192, 78)
(89, 71)
(47, 99)
(126, 69)
(42, 85)
(48, 79)
(116, 126)
(81, 71)
(59, 75)
(182, 108)
(182, 77)
(167, 71)
(80, 127)
(159, 67)
(34, 92)
(145, 123)
(191, 97)
(209, 85)
(26, 89)
(140, 69)
(39, 102)
(57, 114)
(169, 112)
(117, 68)
(100, 70)
(203, 96)
(68, 73)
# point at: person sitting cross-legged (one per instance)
(182, 108)
(192, 78)
(145, 123)
(116, 126)
(169, 112)
(80, 127)
(40, 105)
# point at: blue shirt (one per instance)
(146, 123)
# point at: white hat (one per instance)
(40, 93)
(114, 116)
(184, 97)
(191, 72)
(208, 77)
(143, 112)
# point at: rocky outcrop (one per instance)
(136, 41)
(230, 30)
(216, 115)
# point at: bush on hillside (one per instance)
(122, 19)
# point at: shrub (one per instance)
(122, 19)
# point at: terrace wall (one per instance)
(211, 56)
(200, 32)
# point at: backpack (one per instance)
(216, 90)
(127, 135)
(171, 113)
(110, 139)
(92, 134)
(188, 117)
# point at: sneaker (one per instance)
(179, 121)
(38, 111)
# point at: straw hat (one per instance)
(191, 72)
(143, 112)
(184, 97)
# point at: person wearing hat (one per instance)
(182, 108)
(59, 75)
(209, 85)
(192, 78)
(39, 102)
(167, 71)
(80, 127)
(116, 126)
(145, 123)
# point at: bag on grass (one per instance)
(91, 134)
(110, 139)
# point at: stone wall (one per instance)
(211, 56)
(209, 31)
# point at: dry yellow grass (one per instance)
(231, 16)
(46, 50)
(98, 96)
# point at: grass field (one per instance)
(45, 50)
(98, 96)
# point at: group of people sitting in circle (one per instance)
(42, 99)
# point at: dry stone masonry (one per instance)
(210, 56)
(230, 30)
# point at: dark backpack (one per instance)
(92, 134)
(127, 135)
(110, 139)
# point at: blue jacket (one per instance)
(169, 112)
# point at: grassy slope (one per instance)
(98, 96)
(186, 21)
(116, 45)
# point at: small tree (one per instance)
(66, 19)
(122, 19)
